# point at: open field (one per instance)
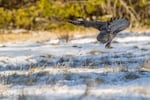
(81, 69)
(39, 36)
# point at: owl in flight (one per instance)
(108, 29)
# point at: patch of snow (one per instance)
(80, 69)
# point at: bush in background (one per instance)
(53, 14)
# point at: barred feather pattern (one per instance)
(117, 25)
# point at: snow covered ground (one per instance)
(81, 69)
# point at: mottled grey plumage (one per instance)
(108, 29)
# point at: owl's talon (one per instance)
(108, 46)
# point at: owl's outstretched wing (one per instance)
(117, 25)
(100, 25)
(114, 25)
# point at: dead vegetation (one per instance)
(41, 36)
(146, 66)
(64, 36)
(35, 36)
(95, 52)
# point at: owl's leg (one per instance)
(108, 45)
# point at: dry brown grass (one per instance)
(146, 66)
(42, 35)
(64, 35)
(39, 36)
(140, 89)
(140, 29)
(95, 52)
(3, 88)
(53, 34)
(78, 31)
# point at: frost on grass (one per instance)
(80, 69)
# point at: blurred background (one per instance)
(41, 52)
(53, 14)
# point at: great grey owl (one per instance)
(108, 29)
